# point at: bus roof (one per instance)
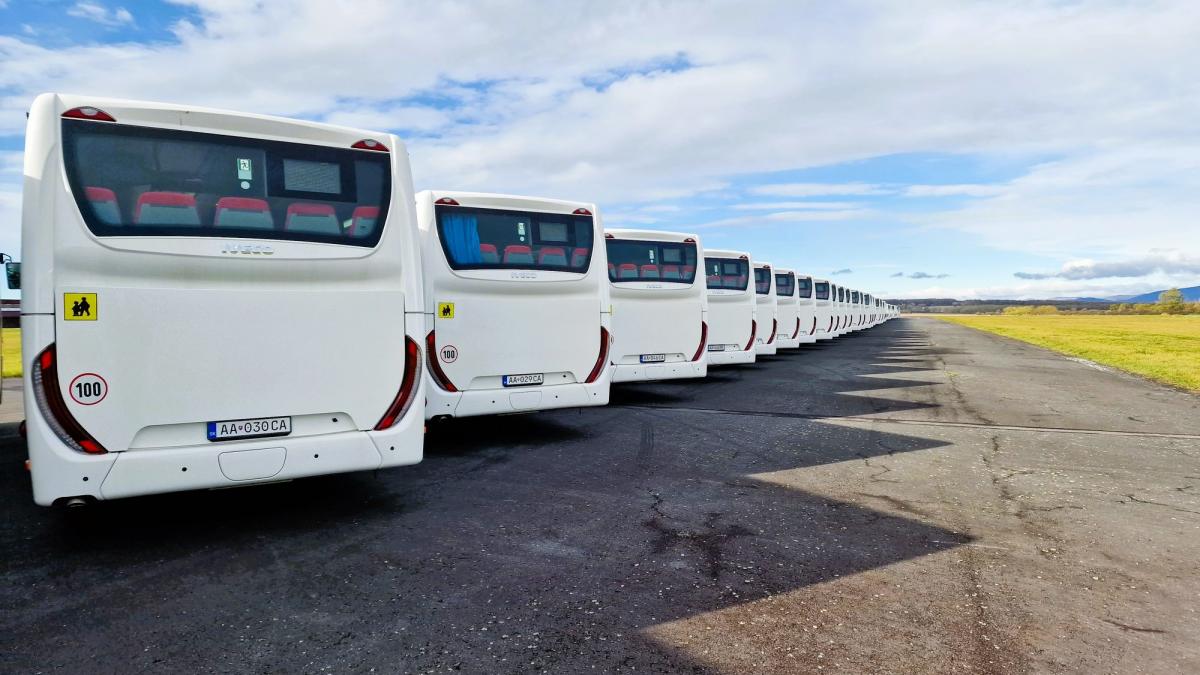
(650, 235)
(489, 200)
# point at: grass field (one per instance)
(1163, 348)
(12, 351)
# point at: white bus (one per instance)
(806, 309)
(765, 314)
(823, 309)
(731, 307)
(519, 306)
(787, 310)
(213, 299)
(659, 305)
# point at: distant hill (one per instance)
(1190, 294)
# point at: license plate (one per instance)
(522, 380)
(257, 427)
(653, 358)
(716, 348)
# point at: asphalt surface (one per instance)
(920, 497)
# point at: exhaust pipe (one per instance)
(76, 502)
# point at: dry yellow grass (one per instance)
(12, 351)
(1163, 348)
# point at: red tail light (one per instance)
(608, 236)
(435, 368)
(446, 201)
(814, 328)
(703, 341)
(753, 332)
(370, 144)
(581, 212)
(408, 386)
(54, 408)
(774, 329)
(797, 331)
(89, 113)
(602, 359)
(689, 240)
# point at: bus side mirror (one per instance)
(12, 270)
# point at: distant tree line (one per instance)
(1169, 302)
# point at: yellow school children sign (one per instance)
(445, 310)
(80, 306)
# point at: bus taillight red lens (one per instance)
(54, 408)
(602, 359)
(408, 386)
(774, 329)
(370, 144)
(797, 331)
(753, 332)
(435, 368)
(446, 201)
(89, 113)
(703, 341)
(581, 212)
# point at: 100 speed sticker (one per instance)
(88, 389)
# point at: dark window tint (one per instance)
(822, 290)
(841, 294)
(854, 296)
(762, 280)
(804, 287)
(785, 284)
(139, 181)
(727, 273)
(475, 239)
(633, 260)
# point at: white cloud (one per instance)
(771, 206)
(818, 189)
(964, 190)
(94, 11)
(1175, 263)
(815, 216)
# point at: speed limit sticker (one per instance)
(448, 353)
(88, 389)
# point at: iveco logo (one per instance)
(524, 275)
(247, 249)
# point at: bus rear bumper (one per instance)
(731, 358)
(765, 349)
(514, 399)
(638, 372)
(782, 342)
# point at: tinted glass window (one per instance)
(785, 284)
(138, 181)
(762, 280)
(476, 239)
(804, 287)
(728, 273)
(854, 297)
(632, 260)
(822, 290)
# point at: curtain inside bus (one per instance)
(460, 231)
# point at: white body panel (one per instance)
(187, 334)
(731, 318)
(806, 310)
(514, 322)
(766, 314)
(823, 311)
(652, 318)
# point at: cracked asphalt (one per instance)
(920, 497)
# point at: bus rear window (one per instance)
(804, 288)
(727, 273)
(475, 239)
(141, 181)
(634, 260)
(785, 284)
(822, 290)
(762, 280)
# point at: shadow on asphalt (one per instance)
(548, 540)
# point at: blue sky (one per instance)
(992, 149)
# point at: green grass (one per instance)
(1163, 348)
(12, 351)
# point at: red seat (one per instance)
(104, 204)
(100, 194)
(166, 208)
(552, 255)
(488, 253)
(627, 271)
(309, 217)
(670, 272)
(243, 212)
(579, 257)
(518, 253)
(649, 272)
(688, 272)
(612, 271)
(363, 217)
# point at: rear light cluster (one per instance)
(581, 212)
(602, 359)
(54, 408)
(446, 201)
(435, 368)
(408, 386)
(753, 332)
(703, 341)
(797, 331)
(774, 329)
(370, 144)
